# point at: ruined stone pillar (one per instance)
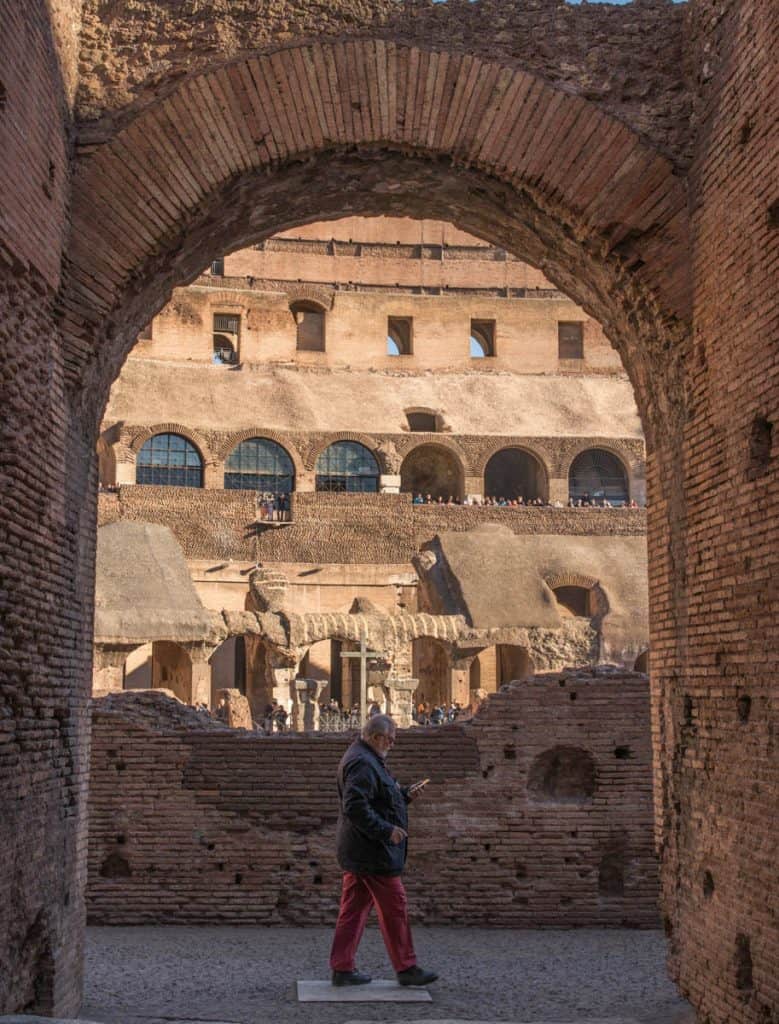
(200, 686)
(459, 684)
(283, 684)
(478, 697)
(400, 700)
(238, 714)
(108, 669)
(305, 715)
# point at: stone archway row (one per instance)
(555, 455)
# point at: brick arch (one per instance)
(322, 297)
(480, 465)
(234, 439)
(140, 439)
(303, 136)
(419, 440)
(577, 579)
(345, 435)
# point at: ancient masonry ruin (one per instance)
(192, 821)
(629, 154)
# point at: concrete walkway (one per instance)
(229, 975)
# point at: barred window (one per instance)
(597, 475)
(259, 464)
(347, 466)
(169, 460)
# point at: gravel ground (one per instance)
(150, 975)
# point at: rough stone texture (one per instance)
(384, 128)
(46, 543)
(714, 594)
(599, 54)
(338, 528)
(222, 827)
(143, 590)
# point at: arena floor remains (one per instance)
(233, 975)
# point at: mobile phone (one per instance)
(418, 785)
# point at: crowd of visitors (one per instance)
(273, 508)
(437, 714)
(586, 501)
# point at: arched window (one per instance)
(575, 600)
(169, 459)
(347, 466)
(597, 476)
(434, 470)
(258, 464)
(310, 322)
(512, 473)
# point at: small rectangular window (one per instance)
(400, 335)
(225, 337)
(218, 267)
(309, 326)
(570, 339)
(482, 339)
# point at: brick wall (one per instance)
(195, 824)
(716, 622)
(46, 540)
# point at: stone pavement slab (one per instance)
(378, 991)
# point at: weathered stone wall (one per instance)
(194, 825)
(338, 528)
(601, 54)
(716, 626)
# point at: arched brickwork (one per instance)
(140, 439)
(541, 456)
(407, 444)
(344, 435)
(513, 159)
(629, 467)
(233, 440)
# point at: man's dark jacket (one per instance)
(372, 804)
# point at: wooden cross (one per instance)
(363, 654)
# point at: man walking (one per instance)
(371, 843)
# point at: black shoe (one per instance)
(416, 976)
(350, 978)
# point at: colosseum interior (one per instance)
(267, 280)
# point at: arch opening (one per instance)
(597, 477)
(169, 460)
(513, 473)
(431, 469)
(259, 464)
(347, 466)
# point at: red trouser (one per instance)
(358, 894)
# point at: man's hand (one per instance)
(397, 835)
